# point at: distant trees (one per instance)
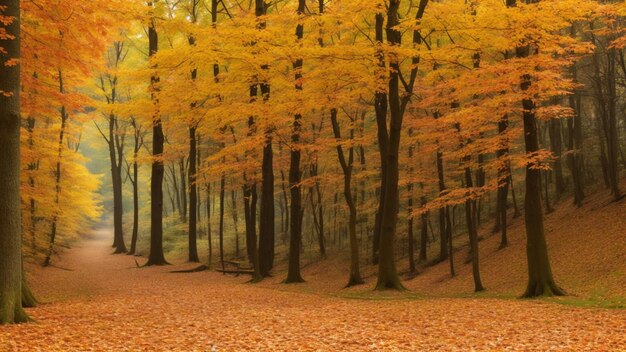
(456, 99)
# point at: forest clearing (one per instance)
(96, 301)
(312, 175)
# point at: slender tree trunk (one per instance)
(183, 190)
(116, 178)
(424, 233)
(10, 208)
(381, 108)
(503, 179)
(412, 268)
(221, 226)
(444, 217)
(135, 183)
(233, 199)
(347, 167)
(57, 177)
(295, 176)
(156, 256)
(193, 201)
(267, 232)
(31, 182)
(267, 212)
(208, 219)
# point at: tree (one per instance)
(295, 175)
(156, 183)
(115, 142)
(540, 280)
(347, 167)
(10, 210)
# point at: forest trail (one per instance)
(95, 301)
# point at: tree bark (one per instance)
(540, 280)
(295, 176)
(347, 167)
(193, 197)
(156, 256)
(10, 208)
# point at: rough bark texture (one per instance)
(10, 209)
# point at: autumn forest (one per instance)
(312, 175)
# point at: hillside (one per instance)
(587, 250)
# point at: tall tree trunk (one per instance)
(57, 177)
(233, 199)
(10, 208)
(503, 180)
(31, 182)
(267, 231)
(295, 176)
(381, 108)
(347, 167)
(116, 178)
(540, 280)
(208, 226)
(135, 183)
(387, 274)
(411, 236)
(471, 219)
(156, 256)
(193, 197)
(444, 213)
(221, 226)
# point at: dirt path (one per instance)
(105, 303)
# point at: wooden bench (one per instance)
(236, 267)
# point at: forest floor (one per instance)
(95, 301)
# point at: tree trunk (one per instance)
(295, 176)
(387, 274)
(183, 190)
(267, 212)
(10, 208)
(347, 167)
(424, 235)
(540, 280)
(267, 232)
(381, 107)
(193, 198)
(135, 183)
(57, 180)
(156, 256)
(116, 178)
(221, 225)
(503, 179)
